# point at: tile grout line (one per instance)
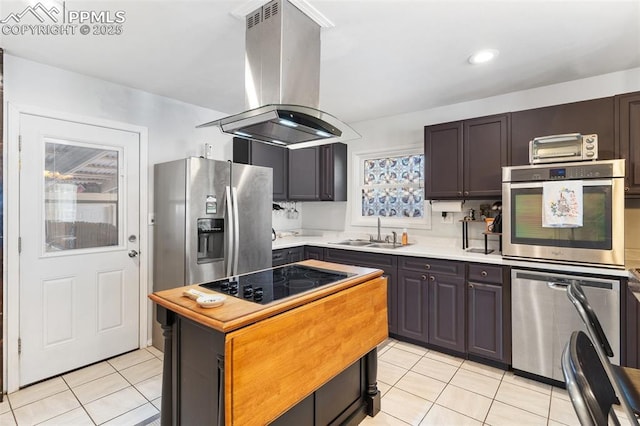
(78, 399)
(460, 367)
(486, 416)
(134, 387)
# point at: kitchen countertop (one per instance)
(236, 313)
(441, 249)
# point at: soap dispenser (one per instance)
(405, 237)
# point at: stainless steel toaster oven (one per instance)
(563, 148)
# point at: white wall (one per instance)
(170, 123)
(407, 130)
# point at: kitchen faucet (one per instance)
(379, 238)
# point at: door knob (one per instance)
(133, 253)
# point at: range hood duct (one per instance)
(282, 82)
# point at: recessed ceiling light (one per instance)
(483, 56)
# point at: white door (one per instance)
(79, 238)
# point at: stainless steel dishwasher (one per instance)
(543, 318)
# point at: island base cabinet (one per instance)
(193, 372)
(276, 370)
(485, 321)
(327, 405)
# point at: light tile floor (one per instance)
(120, 391)
(418, 386)
(424, 387)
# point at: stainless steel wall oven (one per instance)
(598, 239)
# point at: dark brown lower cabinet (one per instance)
(316, 253)
(446, 311)
(431, 302)
(484, 322)
(281, 257)
(631, 354)
(413, 296)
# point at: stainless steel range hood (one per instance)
(282, 81)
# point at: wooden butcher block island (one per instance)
(294, 345)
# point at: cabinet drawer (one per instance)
(485, 273)
(421, 264)
(358, 258)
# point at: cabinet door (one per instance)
(631, 343)
(261, 154)
(279, 257)
(274, 157)
(586, 117)
(333, 172)
(413, 319)
(295, 254)
(342, 391)
(447, 312)
(443, 160)
(485, 322)
(628, 122)
(316, 253)
(304, 174)
(485, 153)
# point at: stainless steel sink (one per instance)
(385, 245)
(357, 243)
(367, 243)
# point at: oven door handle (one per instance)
(588, 182)
(554, 285)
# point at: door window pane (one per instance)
(80, 197)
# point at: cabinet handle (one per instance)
(484, 273)
(459, 192)
(424, 277)
(470, 285)
(466, 192)
(432, 278)
(626, 189)
(427, 266)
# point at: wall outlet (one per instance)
(448, 218)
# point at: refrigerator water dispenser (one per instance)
(210, 240)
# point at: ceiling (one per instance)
(383, 57)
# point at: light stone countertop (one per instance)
(440, 248)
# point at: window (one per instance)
(391, 185)
(81, 196)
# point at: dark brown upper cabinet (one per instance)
(308, 174)
(333, 172)
(464, 159)
(585, 117)
(304, 174)
(318, 173)
(262, 154)
(628, 139)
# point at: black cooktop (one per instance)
(273, 284)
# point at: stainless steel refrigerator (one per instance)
(212, 220)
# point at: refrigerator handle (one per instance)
(229, 231)
(236, 231)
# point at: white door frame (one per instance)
(11, 202)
